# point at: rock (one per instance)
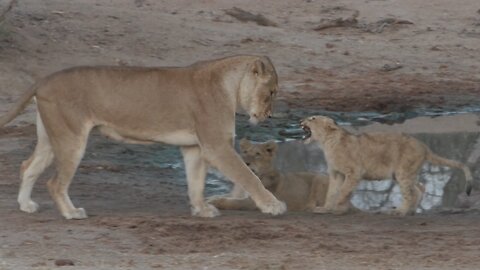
(64, 262)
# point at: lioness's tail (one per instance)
(438, 160)
(18, 107)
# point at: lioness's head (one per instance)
(259, 158)
(317, 128)
(258, 88)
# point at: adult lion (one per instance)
(193, 107)
(372, 156)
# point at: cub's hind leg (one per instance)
(410, 195)
(31, 169)
(419, 191)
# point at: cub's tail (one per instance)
(438, 160)
(18, 107)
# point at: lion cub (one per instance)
(375, 156)
(300, 191)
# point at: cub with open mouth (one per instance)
(372, 156)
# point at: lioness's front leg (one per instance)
(226, 160)
(196, 170)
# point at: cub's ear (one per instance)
(258, 67)
(270, 147)
(332, 126)
(245, 144)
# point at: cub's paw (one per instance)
(218, 201)
(206, 210)
(400, 212)
(274, 207)
(321, 210)
(341, 209)
(29, 206)
(310, 207)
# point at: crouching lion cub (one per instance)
(193, 107)
(375, 156)
(300, 191)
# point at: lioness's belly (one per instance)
(180, 137)
(177, 138)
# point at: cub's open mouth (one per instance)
(307, 132)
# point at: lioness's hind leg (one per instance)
(69, 149)
(31, 169)
(196, 170)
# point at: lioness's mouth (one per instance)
(307, 132)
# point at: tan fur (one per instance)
(193, 107)
(372, 156)
(300, 191)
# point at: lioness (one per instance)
(193, 107)
(374, 156)
(300, 191)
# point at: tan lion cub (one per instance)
(375, 156)
(300, 191)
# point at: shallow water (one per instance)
(451, 135)
(454, 136)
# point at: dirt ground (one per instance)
(397, 56)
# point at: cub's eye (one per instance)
(257, 154)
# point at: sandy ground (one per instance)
(139, 216)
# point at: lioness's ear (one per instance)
(271, 147)
(244, 143)
(258, 67)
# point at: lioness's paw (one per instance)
(29, 206)
(275, 207)
(206, 210)
(77, 213)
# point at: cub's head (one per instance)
(259, 158)
(258, 88)
(318, 128)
